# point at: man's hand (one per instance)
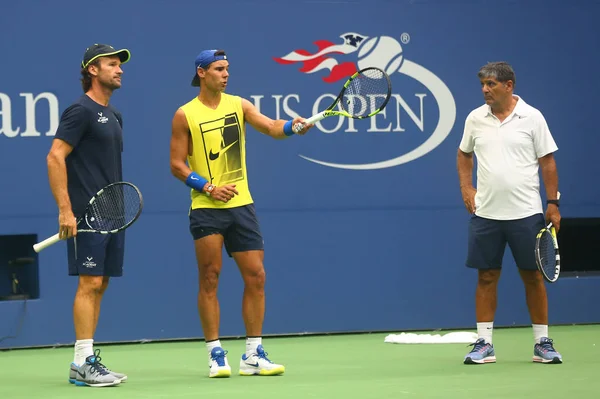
(224, 193)
(67, 225)
(553, 215)
(468, 194)
(306, 127)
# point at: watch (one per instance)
(209, 189)
(554, 202)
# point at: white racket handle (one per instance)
(46, 243)
(311, 120)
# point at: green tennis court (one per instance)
(335, 366)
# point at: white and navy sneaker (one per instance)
(258, 364)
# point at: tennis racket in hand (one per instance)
(547, 255)
(365, 94)
(113, 209)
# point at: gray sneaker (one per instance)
(92, 373)
(74, 368)
(120, 376)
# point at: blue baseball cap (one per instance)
(204, 59)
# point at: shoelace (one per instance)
(96, 366)
(547, 345)
(478, 345)
(263, 355)
(103, 367)
(219, 358)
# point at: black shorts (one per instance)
(488, 239)
(238, 226)
(93, 254)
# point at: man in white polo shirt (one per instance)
(511, 142)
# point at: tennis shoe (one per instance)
(544, 352)
(259, 364)
(92, 373)
(74, 368)
(481, 353)
(218, 364)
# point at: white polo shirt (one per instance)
(507, 153)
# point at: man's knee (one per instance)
(209, 276)
(92, 284)
(252, 268)
(488, 277)
(104, 286)
(255, 278)
(532, 277)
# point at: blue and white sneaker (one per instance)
(73, 370)
(544, 352)
(481, 353)
(259, 364)
(92, 374)
(218, 364)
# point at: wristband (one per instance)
(287, 128)
(195, 181)
(554, 202)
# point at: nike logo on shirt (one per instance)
(212, 156)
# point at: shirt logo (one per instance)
(102, 118)
(214, 155)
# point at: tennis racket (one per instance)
(114, 208)
(547, 255)
(365, 94)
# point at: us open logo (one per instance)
(334, 63)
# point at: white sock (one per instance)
(484, 330)
(251, 344)
(212, 344)
(539, 331)
(83, 349)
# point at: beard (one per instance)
(110, 83)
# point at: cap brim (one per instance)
(196, 80)
(124, 56)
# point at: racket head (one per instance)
(365, 94)
(114, 208)
(547, 255)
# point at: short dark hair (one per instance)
(501, 71)
(86, 77)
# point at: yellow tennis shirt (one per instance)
(218, 141)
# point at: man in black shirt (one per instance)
(86, 156)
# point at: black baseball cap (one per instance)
(204, 59)
(103, 50)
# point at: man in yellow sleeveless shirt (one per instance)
(208, 153)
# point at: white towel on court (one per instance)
(459, 337)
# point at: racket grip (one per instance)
(46, 243)
(311, 120)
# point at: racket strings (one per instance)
(366, 93)
(114, 208)
(547, 253)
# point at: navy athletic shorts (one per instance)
(93, 254)
(238, 226)
(488, 239)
